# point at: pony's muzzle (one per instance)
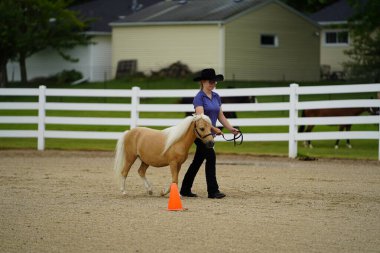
(210, 144)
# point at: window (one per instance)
(268, 40)
(336, 38)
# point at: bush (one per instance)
(175, 70)
(64, 77)
(68, 76)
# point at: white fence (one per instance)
(293, 106)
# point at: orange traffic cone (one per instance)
(175, 203)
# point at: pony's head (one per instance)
(202, 129)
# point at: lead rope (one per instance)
(236, 137)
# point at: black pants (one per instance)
(201, 154)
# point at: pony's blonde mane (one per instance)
(175, 132)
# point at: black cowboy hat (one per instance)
(209, 74)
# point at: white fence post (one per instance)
(293, 114)
(135, 101)
(379, 138)
(41, 118)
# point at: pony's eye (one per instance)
(202, 129)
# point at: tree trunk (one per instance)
(22, 61)
(3, 73)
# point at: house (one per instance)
(95, 59)
(243, 39)
(335, 37)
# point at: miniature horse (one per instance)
(331, 113)
(160, 148)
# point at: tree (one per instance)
(34, 25)
(8, 36)
(364, 55)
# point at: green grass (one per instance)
(362, 149)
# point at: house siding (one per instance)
(333, 55)
(100, 59)
(94, 62)
(156, 47)
(296, 57)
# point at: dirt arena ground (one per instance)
(66, 201)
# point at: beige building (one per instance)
(335, 37)
(243, 39)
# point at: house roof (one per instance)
(338, 12)
(106, 11)
(195, 11)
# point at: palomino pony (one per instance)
(160, 148)
(331, 113)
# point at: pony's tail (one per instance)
(302, 128)
(119, 156)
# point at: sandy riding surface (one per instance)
(60, 201)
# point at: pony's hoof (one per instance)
(164, 192)
(349, 146)
(150, 192)
(336, 147)
(124, 193)
(311, 146)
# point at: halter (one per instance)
(197, 133)
(236, 137)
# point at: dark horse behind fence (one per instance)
(225, 100)
(332, 113)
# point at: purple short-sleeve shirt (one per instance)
(211, 106)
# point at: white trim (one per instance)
(222, 49)
(323, 23)
(91, 63)
(165, 23)
(95, 33)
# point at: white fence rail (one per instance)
(292, 121)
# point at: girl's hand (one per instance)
(234, 131)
